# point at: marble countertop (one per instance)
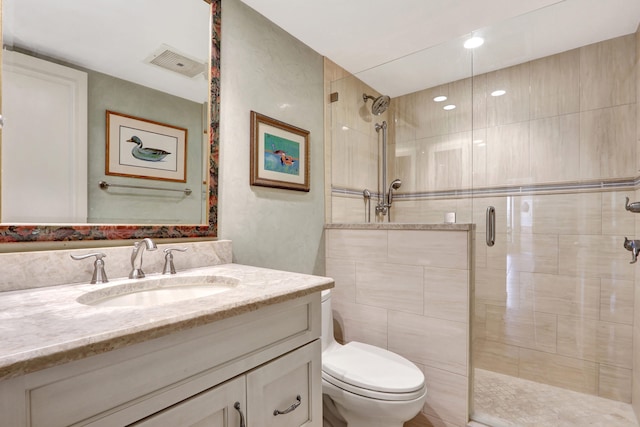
(45, 327)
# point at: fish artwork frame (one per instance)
(279, 154)
(142, 148)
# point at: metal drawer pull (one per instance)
(290, 408)
(491, 226)
(237, 406)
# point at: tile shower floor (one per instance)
(505, 401)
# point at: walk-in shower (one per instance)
(554, 308)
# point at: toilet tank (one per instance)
(327, 321)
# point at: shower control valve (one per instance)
(634, 247)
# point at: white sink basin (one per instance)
(164, 290)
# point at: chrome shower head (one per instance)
(380, 104)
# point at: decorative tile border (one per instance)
(514, 190)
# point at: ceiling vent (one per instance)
(170, 59)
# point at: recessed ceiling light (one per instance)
(498, 92)
(440, 98)
(473, 42)
(449, 107)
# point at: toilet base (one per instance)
(371, 416)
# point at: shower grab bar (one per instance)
(491, 226)
(105, 185)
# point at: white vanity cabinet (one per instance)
(263, 360)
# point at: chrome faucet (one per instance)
(136, 257)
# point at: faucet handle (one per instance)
(99, 275)
(169, 268)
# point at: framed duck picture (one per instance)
(279, 154)
(141, 148)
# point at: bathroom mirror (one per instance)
(92, 40)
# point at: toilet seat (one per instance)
(372, 372)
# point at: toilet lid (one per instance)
(372, 368)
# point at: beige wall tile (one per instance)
(615, 344)
(392, 286)
(348, 210)
(560, 371)
(513, 106)
(459, 119)
(480, 101)
(616, 301)
(533, 253)
(567, 213)
(355, 322)
(447, 395)
(607, 73)
(432, 119)
(508, 148)
(565, 295)
(491, 285)
(594, 256)
(607, 142)
(577, 337)
(479, 157)
(354, 159)
(520, 328)
(343, 273)
(616, 220)
(433, 342)
(359, 245)
(555, 85)
(405, 113)
(447, 249)
(446, 294)
(495, 356)
(614, 383)
(554, 144)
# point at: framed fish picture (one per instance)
(141, 148)
(279, 154)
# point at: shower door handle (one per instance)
(491, 226)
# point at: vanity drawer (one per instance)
(81, 392)
(291, 385)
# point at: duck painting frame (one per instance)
(279, 154)
(142, 148)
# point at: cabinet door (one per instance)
(287, 392)
(211, 408)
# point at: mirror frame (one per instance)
(12, 233)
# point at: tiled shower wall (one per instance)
(407, 290)
(554, 298)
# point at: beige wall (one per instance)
(408, 291)
(266, 70)
(555, 295)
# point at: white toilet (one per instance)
(364, 385)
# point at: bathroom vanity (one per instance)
(247, 356)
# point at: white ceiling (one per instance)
(396, 47)
(115, 37)
(386, 44)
